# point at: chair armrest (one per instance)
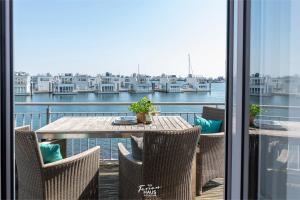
(213, 134)
(73, 177)
(130, 168)
(25, 128)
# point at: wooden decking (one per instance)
(109, 182)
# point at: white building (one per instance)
(81, 82)
(140, 84)
(34, 83)
(286, 85)
(155, 80)
(196, 84)
(169, 83)
(260, 85)
(173, 84)
(91, 83)
(43, 83)
(107, 83)
(64, 84)
(125, 82)
(22, 83)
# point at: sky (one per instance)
(275, 44)
(96, 36)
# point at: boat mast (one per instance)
(190, 66)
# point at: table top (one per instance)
(289, 130)
(103, 127)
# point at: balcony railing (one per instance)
(109, 145)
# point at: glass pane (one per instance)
(274, 170)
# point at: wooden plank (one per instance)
(103, 126)
(107, 124)
(185, 123)
(169, 124)
(62, 124)
(174, 123)
(179, 122)
(163, 123)
(109, 181)
(156, 123)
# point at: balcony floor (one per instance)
(109, 183)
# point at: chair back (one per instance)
(29, 164)
(214, 114)
(167, 161)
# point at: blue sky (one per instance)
(275, 40)
(95, 36)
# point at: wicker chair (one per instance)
(75, 177)
(167, 163)
(210, 152)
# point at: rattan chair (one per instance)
(75, 177)
(167, 163)
(210, 152)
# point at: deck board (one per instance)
(109, 183)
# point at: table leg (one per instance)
(194, 177)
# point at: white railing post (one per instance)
(110, 148)
(298, 160)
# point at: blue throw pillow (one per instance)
(208, 126)
(50, 152)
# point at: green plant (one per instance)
(144, 105)
(254, 110)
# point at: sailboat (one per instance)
(194, 83)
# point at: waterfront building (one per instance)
(169, 84)
(196, 84)
(173, 84)
(107, 83)
(91, 83)
(260, 85)
(64, 84)
(34, 83)
(81, 82)
(219, 79)
(140, 83)
(155, 83)
(162, 85)
(43, 83)
(125, 82)
(22, 83)
(287, 85)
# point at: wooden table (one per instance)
(103, 127)
(268, 159)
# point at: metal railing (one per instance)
(108, 145)
(45, 115)
(48, 116)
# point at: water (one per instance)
(217, 95)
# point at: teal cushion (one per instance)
(208, 126)
(50, 152)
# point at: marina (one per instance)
(109, 83)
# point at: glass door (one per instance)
(274, 100)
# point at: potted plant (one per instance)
(254, 111)
(141, 108)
